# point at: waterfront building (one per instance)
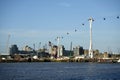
(61, 50)
(14, 50)
(86, 52)
(53, 51)
(68, 53)
(27, 48)
(96, 53)
(105, 55)
(50, 49)
(43, 55)
(78, 50)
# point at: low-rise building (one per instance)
(86, 52)
(14, 50)
(78, 50)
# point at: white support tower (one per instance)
(90, 48)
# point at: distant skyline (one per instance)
(33, 21)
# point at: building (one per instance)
(43, 55)
(105, 55)
(68, 53)
(53, 51)
(61, 50)
(27, 51)
(14, 50)
(86, 52)
(78, 50)
(96, 53)
(27, 48)
(56, 51)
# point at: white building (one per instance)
(60, 51)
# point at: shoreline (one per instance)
(65, 60)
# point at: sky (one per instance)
(30, 22)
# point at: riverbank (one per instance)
(61, 60)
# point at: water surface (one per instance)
(59, 71)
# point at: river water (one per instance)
(59, 71)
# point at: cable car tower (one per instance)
(90, 48)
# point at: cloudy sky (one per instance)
(33, 21)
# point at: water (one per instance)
(59, 71)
